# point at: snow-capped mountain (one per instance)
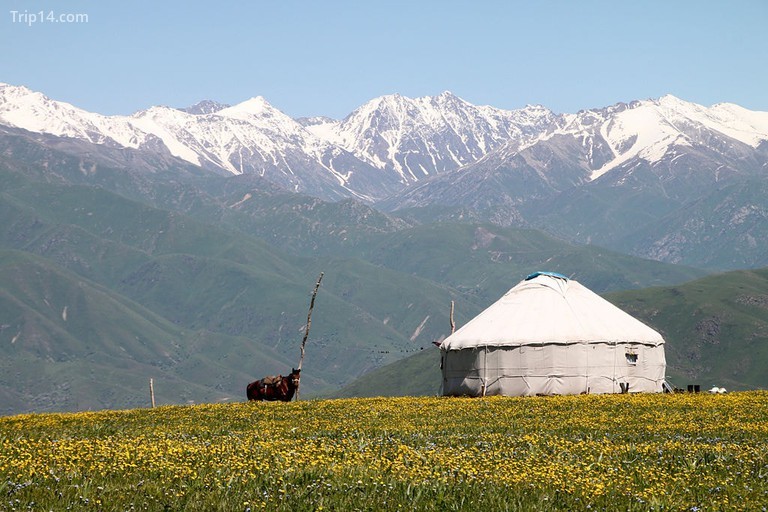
(665, 179)
(255, 138)
(651, 129)
(421, 137)
(35, 112)
(378, 149)
(205, 107)
(673, 139)
(637, 177)
(434, 150)
(251, 137)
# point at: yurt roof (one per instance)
(549, 308)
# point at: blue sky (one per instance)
(328, 57)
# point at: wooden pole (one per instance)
(453, 325)
(306, 332)
(152, 392)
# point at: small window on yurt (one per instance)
(631, 358)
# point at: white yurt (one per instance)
(549, 335)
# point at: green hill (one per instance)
(417, 375)
(724, 229)
(716, 329)
(484, 261)
(215, 281)
(71, 344)
(226, 285)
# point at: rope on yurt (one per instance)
(485, 370)
(615, 352)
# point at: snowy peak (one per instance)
(256, 107)
(417, 137)
(664, 144)
(651, 129)
(447, 96)
(23, 108)
(393, 141)
(251, 137)
(205, 107)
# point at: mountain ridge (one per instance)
(386, 130)
(438, 133)
(641, 161)
(250, 137)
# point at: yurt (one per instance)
(549, 335)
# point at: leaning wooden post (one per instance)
(152, 392)
(306, 331)
(453, 325)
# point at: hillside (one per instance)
(485, 260)
(71, 344)
(716, 329)
(227, 265)
(206, 279)
(417, 375)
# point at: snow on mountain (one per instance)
(21, 107)
(321, 126)
(383, 145)
(419, 137)
(205, 107)
(650, 129)
(748, 126)
(309, 122)
(666, 145)
(251, 137)
(394, 141)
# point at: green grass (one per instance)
(613, 452)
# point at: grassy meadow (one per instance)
(618, 452)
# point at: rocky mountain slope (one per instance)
(421, 137)
(249, 138)
(633, 177)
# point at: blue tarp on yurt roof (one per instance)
(542, 273)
